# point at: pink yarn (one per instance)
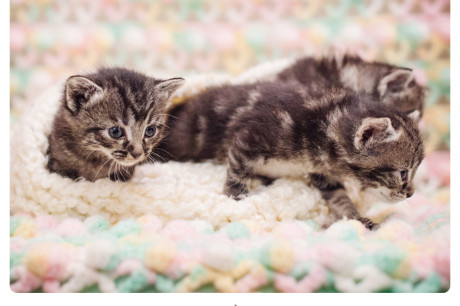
(438, 165)
(45, 222)
(126, 267)
(17, 38)
(222, 37)
(179, 229)
(310, 283)
(17, 244)
(420, 76)
(70, 226)
(57, 262)
(442, 265)
(150, 223)
(290, 230)
(250, 282)
(184, 261)
(51, 286)
(26, 280)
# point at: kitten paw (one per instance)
(236, 191)
(368, 223)
(266, 181)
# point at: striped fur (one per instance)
(80, 144)
(388, 84)
(270, 130)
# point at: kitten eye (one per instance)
(150, 131)
(403, 174)
(116, 132)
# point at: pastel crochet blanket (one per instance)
(170, 229)
(409, 253)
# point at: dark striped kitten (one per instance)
(394, 86)
(268, 130)
(108, 122)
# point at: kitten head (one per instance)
(399, 89)
(393, 86)
(383, 152)
(117, 113)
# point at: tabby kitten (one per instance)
(268, 130)
(389, 84)
(108, 122)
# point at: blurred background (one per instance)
(53, 39)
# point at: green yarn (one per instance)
(133, 283)
(14, 223)
(330, 284)
(402, 286)
(197, 272)
(113, 262)
(387, 259)
(15, 259)
(430, 284)
(208, 288)
(149, 289)
(127, 252)
(91, 289)
(237, 230)
(126, 227)
(264, 256)
(270, 288)
(256, 37)
(312, 224)
(300, 270)
(350, 234)
(411, 32)
(164, 284)
(98, 224)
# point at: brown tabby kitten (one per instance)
(108, 122)
(389, 84)
(269, 130)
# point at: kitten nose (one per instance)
(134, 151)
(409, 190)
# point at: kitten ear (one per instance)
(395, 82)
(79, 92)
(167, 87)
(373, 131)
(414, 115)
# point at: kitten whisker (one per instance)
(86, 159)
(111, 165)
(100, 169)
(164, 151)
(159, 156)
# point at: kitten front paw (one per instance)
(236, 191)
(368, 223)
(265, 180)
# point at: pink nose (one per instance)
(134, 151)
(409, 190)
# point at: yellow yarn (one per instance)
(282, 256)
(222, 281)
(225, 284)
(25, 229)
(37, 259)
(160, 255)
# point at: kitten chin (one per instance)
(108, 122)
